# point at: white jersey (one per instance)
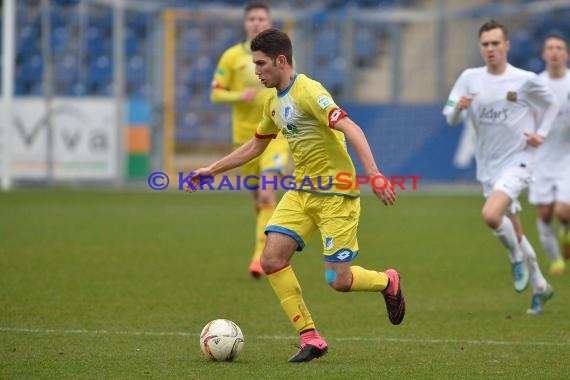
(553, 157)
(501, 113)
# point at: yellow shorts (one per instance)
(274, 159)
(299, 214)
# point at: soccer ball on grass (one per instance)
(221, 340)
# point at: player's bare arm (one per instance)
(248, 95)
(221, 95)
(358, 141)
(238, 157)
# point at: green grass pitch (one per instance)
(119, 284)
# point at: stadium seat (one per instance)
(201, 71)
(365, 45)
(223, 39)
(336, 76)
(32, 68)
(191, 40)
(136, 69)
(76, 89)
(327, 42)
(99, 76)
(66, 68)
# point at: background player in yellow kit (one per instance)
(315, 128)
(235, 83)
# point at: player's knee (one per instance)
(270, 264)
(545, 218)
(266, 264)
(545, 214)
(265, 199)
(562, 213)
(338, 283)
(492, 219)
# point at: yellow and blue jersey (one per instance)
(236, 72)
(306, 114)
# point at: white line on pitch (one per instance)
(284, 337)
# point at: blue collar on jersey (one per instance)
(284, 92)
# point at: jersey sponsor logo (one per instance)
(287, 112)
(494, 116)
(329, 243)
(512, 96)
(324, 101)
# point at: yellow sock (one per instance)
(288, 290)
(263, 215)
(367, 280)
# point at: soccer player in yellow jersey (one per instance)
(235, 83)
(315, 128)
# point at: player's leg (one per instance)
(502, 196)
(537, 280)
(287, 231)
(548, 238)
(562, 212)
(251, 170)
(541, 289)
(494, 216)
(275, 260)
(344, 277)
(264, 199)
(338, 221)
(542, 193)
(270, 166)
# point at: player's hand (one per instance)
(248, 95)
(387, 194)
(464, 102)
(533, 139)
(196, 180)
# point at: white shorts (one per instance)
(544, 191)
(512, 181)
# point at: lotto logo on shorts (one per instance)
(344, 255)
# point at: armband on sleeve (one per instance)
(335, 115)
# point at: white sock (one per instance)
(537, 280)
(548, 240)
(507, 235)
